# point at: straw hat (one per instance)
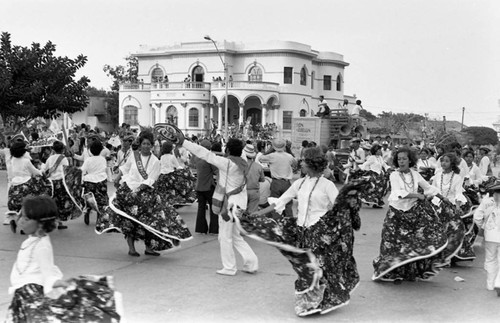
(279, 144)
(250, 151)
(485, 148)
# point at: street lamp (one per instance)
(226, 78)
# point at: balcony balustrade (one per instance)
(218, 85)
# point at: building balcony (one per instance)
(246, 85)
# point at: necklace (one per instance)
(32, 245)
(449, 183)
(409, 186)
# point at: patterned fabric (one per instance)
(466, 252)
(417, 243)
(100, 192)
(87, 299)
(67, 209)
(374, 195)
(37, 185)
(427, 173)
(177, 187)
(483, 187)
(143, 215)
(321, 255)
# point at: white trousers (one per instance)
(230, 237)
(492, 264)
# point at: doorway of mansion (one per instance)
(255, 114)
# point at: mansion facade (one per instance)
(269, 82)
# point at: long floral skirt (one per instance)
(142, 215)
(99, 191)
(87, 299)
(177, 187)
(417, 243)
(373, 195)
(466, 252)
(321, 255)
(37, 185)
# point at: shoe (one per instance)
(134, 254)
(225, 272)
(252, 272)
(375, 206)
(151, 253)
(22, 232)
(13, 226)
(62, 227)
(6, 221)
(497, 289)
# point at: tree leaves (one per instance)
(34, 82)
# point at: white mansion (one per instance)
(271, 82)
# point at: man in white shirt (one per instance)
(484, 162)
(323, 109)
(386, 153)
(357, 155)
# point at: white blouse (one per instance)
(450, 186)
(374, 163)
(401, 186)
(168, 163)
(475, 176)
(311, 207)
(483, 165)
(35, 265)
(59, 172)
(131, 174)
(94, 169)
(21, 170)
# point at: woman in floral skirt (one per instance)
(416, 233)
(376, 168)
(26, 179)
(450, 185)
(137, 210)
(175, 184)
(318, 243)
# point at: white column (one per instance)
(264, 111)
(276, 116)
(241, 118)
(210, 112)
(201, 119)
(219, 118)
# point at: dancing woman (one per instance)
(175, 184)
(377, 170)
(450, 185)
(324, 231)
(425, 166)
(137, 209)
(26, 179)
(414, 237)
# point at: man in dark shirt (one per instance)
(205, 186)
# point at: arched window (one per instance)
(130, 115)
(339, 82)
(198, 74)
(171, 116)
(193, 118)
(303, 112)
(255, 74)
(312, 79)
(303, 76)
(156, 75)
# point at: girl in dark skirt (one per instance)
(417, 238)
(137, 210)
(376, 168)
(54, 169)
(26, 179)
(95, 181)
(175, 183)
(319, 242)
(34, 275)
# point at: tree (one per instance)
(482, 135)
(120, 74)
(36, 83)
(367, 115)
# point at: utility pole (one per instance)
(444, 123)
(463, 110)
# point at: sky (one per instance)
(420, 56)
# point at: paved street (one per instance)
(181, 285)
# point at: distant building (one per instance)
(270, 82)
(496, 124)
(95, 114)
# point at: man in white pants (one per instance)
(232, 177)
